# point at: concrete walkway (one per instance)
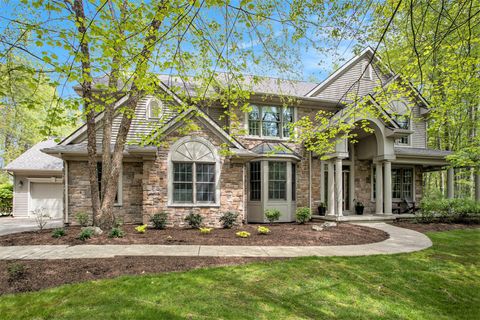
(400, 241)
(10, 225)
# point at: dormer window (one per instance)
(154, 108)
(404, 123)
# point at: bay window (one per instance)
(270, 121)
(277, 180)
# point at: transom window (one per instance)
(277, 180)
(194, 178)
(270, 121)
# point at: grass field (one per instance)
(442, 282)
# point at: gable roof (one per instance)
(35, 160)
(367, 52)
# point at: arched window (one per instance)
(154, 108)
(194, 173)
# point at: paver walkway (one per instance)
(401, 240)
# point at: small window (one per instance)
(368, 71)
(277, 180)
(404, 123)
(255, 181)
(154, 108)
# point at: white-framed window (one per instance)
(194, 172)
(119, 195)
(270, 121)
(155, 108)
(277, 180)
(255, 181)
(404, 122)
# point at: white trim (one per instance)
(218, 169)
(342, 69)
(148, 109)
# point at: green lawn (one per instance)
(442, 282)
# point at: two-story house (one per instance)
(263, 168)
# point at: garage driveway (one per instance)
(15, 225)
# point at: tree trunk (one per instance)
(89, 108)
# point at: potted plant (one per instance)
(322, 208)
(359, 207)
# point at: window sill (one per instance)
(193, 205)
(266, 138)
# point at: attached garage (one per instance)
(37, 182)
(48, 197)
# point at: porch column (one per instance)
(378, 188)
(477, 186)
(450, 183)
(339, 186)
(331, 189)
(387, 187)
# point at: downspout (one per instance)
(310, 180)
(65, 176)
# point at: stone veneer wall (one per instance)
(79, 196)
(155, 186)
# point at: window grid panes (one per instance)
(183, 182)
(403, 123)
(407, 183)
(396, 183)
(255, 181)
(277, 180)
(402, 183)
(270, 121)
(205, 183)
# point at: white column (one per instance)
(339, 187)
(331, 189)
(387, 187)
(477, 186)
(378, 188)
(450, 183)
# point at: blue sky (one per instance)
(313, 67)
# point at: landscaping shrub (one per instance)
(159, 220)
(449, 211)
(15, 271)
(228, 219)
(58, 233)
(263, 230)
(41, 217)
(6, 199)
(243, 234)
(141, 229)
(85, 234)
(272, 215)
(116, 232)
(303, 215)
(205, 230)
(82, 218)
(194, 220)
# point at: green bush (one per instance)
(272, 215)
(6, 198)
(85, 234)
(194, 220)
(116, 232)
(449, 211)
(16, 271)
(303, 215)
(228, 219)
(58, 233)
(159, 220)
(82, 218)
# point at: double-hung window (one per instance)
(270, 121)
(277, 180)
(193, 182)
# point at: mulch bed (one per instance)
(41, 274)
(433, 227)
(280, 235)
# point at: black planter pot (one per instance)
(321, 211)
(359, 210)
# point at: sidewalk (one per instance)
(400, 241)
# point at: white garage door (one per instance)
(48, 196)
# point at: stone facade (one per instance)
(155, 186)
(80, 199)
